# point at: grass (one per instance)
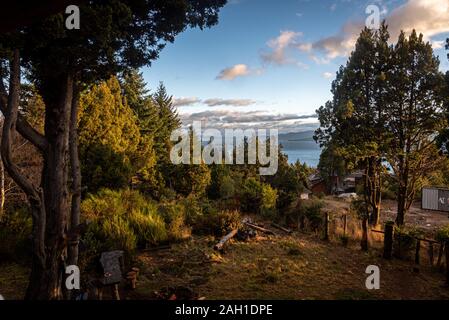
(13, 280)
(294, 267)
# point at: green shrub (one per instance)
(174, 217)
(442, 234)
(268, 201)
(117, 234)
(148, 226)
(121, 220)
(217, 224)
(404, 244)
(311, 210)
(15, 233)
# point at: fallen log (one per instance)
(253, 226)
(219, 246)
(274, 225)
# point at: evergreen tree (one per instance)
(415, 115)
(112, 150)
(353, 123)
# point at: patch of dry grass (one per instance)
(13, 281)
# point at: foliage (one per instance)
(15, 229)
(121, 220)
(443, 234)
(353, 122)
(311, 210)
(414, 115)
(405, 242)
(217, 223)
(174, 216)
(387, 105)
(109, 138)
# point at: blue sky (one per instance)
(270, 63)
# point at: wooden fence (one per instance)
(388, 241)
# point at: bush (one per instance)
(15, 233)
(174, 217)
(268, 201)
(443, 234)
(404, 244)
(311, 210)
(218, 224)
(121, 220)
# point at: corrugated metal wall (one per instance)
(435, 199)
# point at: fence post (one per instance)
(345, 224)
(417, 256)
(326, 226)
(388, 240)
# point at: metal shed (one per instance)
(435, 198)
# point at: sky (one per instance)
(270, 63)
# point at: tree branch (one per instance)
(23, 127)
(9, 126)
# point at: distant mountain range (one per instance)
(297, 136)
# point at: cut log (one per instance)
(274, 225)
(253, 226)
(219, 246)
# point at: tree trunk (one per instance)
(401, 206)
(2, 190)
(374, 182)
(76, 180)
(45, 283)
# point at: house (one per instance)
(338, 185)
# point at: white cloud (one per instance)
(429, 17)
(229, 102)
(438, 44)
(328, 75)
(222, 119)
(279, 46)
(239, 70)
(184, 102)
(215, 102)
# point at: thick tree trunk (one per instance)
(45, 283)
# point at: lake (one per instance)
(304, 151)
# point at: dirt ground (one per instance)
(283, 267)
(428, 221)
(297, 266)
